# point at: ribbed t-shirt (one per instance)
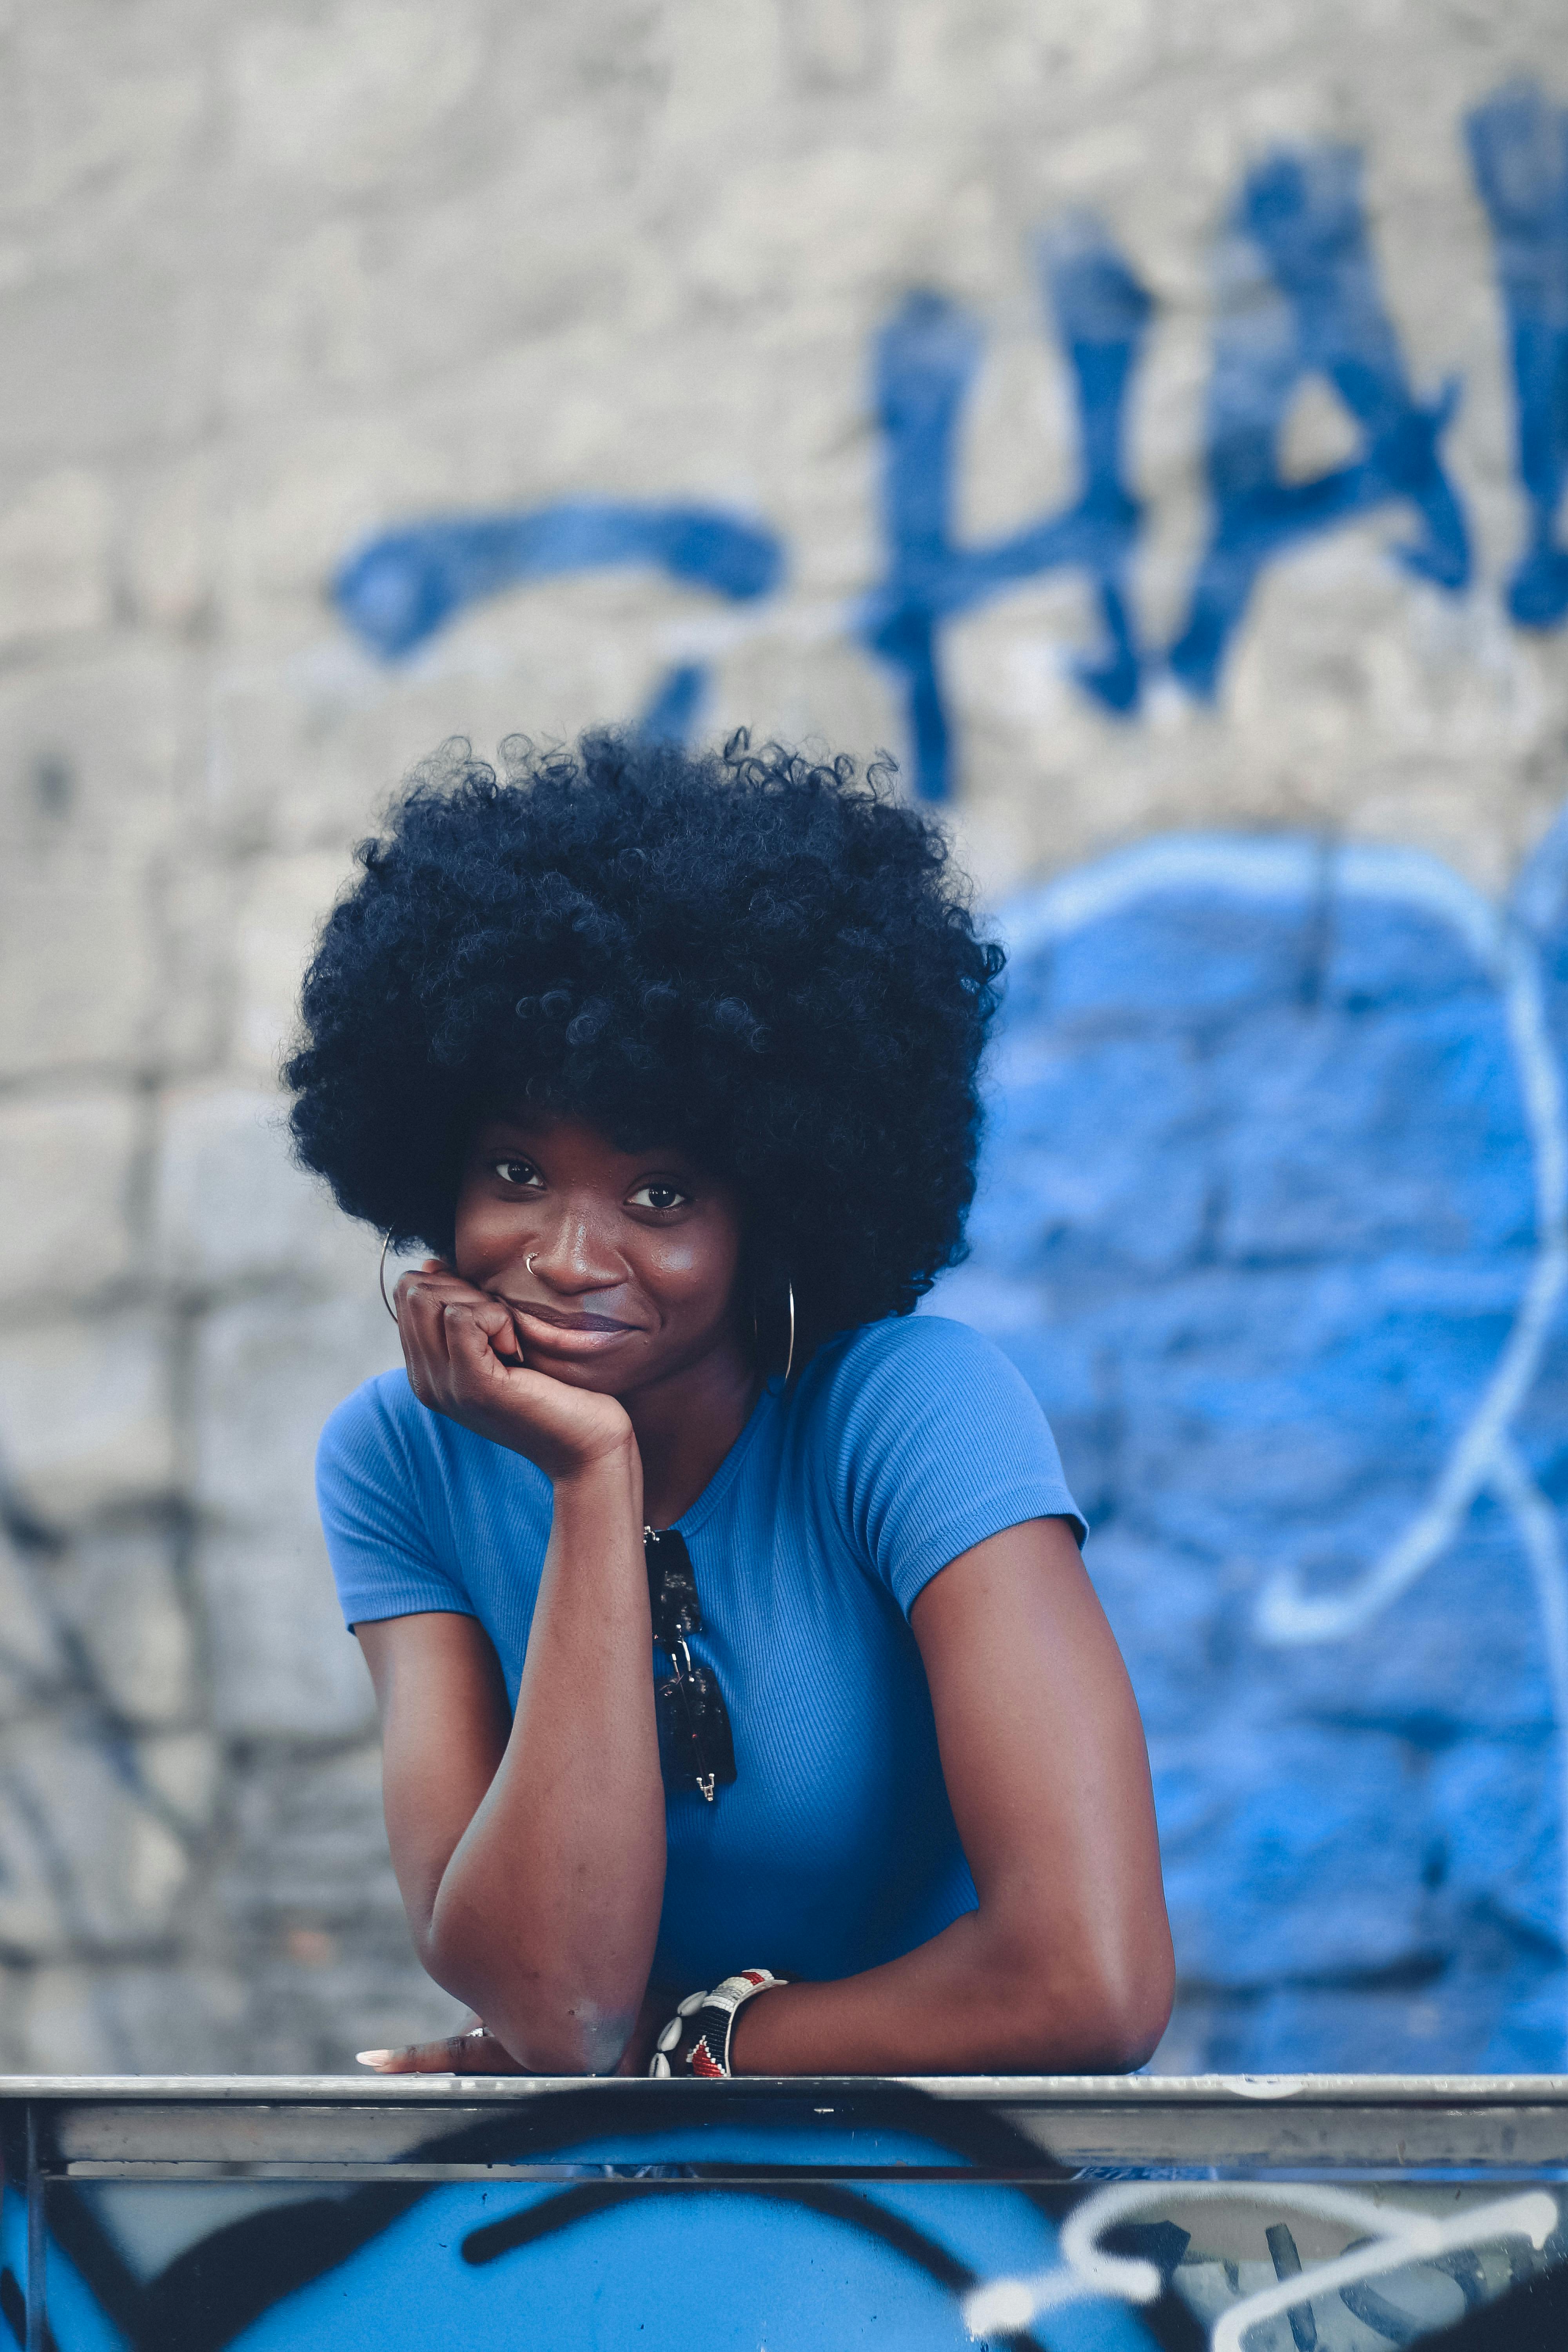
(900, 1445)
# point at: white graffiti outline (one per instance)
(1288, 1615)
(1299, 870)
(1484, 1457)
(1005, 2306)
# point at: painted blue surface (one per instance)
(1102, 2263)
(926, 361)
(1519, 147)
(1319, 312)
(1272, 1220)
(650, 2258)
(77, 2320)
(679, 2273)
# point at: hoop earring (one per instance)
(757, 1337)
(380, 1277)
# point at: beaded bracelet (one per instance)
(709, 2020)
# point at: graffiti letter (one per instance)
(926, 360)
(1317, 311)
(1519, 149)
(402, 587)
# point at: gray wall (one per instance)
(274, 279)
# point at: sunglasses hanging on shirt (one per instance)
(697, 1749)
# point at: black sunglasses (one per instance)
(696, 1747)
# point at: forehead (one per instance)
(574, 1142)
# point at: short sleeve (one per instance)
(375, 1495)
(939, 1442)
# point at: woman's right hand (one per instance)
(475, 2050)
(461, 1348)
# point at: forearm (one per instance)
(546, 1914)
(1066, 1966)
(988, 1995)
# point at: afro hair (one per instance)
(766, 962)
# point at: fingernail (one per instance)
(371, 2057)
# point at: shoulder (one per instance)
(909, 1385)
(930, 1439)
(386, 1501)
(381, 1420)
(382, 1439)
(908, 1356)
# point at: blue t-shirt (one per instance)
(900, 1446)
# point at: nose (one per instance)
(573, 1254)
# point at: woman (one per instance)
(726, 1622)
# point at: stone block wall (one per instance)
(278, 281)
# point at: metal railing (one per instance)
(186, 2213)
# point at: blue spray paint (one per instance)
(926, 361)
(1317, 311)
(671, 714)
(407, 584)
(1298, 296)
(1519, 148)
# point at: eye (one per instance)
(657, 1193)
(517, 1172)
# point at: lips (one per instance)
(547, 1327)
(565, 1322)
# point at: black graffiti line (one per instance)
(215, 2289)
(547, 2220)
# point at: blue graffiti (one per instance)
(1321, 314)
(1299, 298)
(587, 2255)
(404, 585)
(926, 361)
(1519, 147)
(671, 714)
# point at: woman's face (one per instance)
(619, 1266)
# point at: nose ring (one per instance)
(528, 1262)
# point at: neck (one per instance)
(685, 1425)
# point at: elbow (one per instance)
(560, 2040)
(1099, 2032)
(549, 2028)
(1103, 2014)
(1125, 2028)
(1128, 1999)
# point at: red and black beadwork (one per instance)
(697, 2039)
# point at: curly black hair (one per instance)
(767, 962)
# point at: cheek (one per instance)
(696, 1267)
(483, 1229)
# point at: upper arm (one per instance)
(935, 1441)
(445, 1721)
(1047, 1771)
